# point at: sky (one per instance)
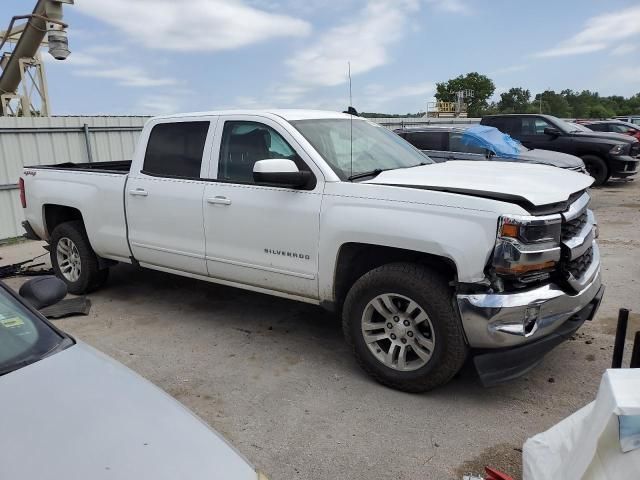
(164, 56)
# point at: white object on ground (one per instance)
(587, 444)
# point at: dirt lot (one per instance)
(275, 376)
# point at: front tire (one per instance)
(73, 259)
(403, 328)
(597, 168)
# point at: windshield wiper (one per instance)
(371, 173)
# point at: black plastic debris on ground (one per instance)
(68, 308)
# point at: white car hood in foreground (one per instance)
(535, 184)
(81, 415)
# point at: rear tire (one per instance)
(597, 168)
(409, 308)
(73, 259)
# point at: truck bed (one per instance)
(121, 167)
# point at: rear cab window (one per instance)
(175, 149)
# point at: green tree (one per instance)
(600, 111)
(553, 104)
(516, 100)
(481, 85)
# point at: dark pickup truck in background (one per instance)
(604, 154)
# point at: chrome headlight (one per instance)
(526, 244)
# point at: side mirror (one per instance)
(279, 171)
(554, 132)
(43, 291)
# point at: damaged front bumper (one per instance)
(511, 332)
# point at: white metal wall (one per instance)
(48, 140)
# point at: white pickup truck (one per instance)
(426, 263)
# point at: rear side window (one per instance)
(510, 125)
(428, 140)
(469, 146)
(175, 149)
(598, 127)
(620, 128)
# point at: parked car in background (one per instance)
(613, 126)
(455, 142)
(635, 119)
(605, 154)
(69, 411)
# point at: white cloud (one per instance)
(451, 6)
(158, 104)
(510, 69)
(624, 49)
(364, 41)
(599, 33)
(376, 96)
(127, 76)
(194, 25)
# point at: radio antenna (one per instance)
(350, 119)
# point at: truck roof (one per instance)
(287, 114)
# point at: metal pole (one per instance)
(635, 353)
(621, 333)
(87, 139)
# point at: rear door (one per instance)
(434, 144)
(261, 235)
(164, 200)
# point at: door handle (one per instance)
(219, 200)
(138, 192)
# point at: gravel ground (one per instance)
(275, 377)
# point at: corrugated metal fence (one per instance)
(47, 140)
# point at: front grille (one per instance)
(635, 149)
(578, 266)
(573, 227)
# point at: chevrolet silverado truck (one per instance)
(426, 263)
(605, 155)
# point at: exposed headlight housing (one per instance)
(527, 244)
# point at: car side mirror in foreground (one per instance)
(554, 132)
(279, 171)
(43, 291)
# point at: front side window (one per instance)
(620, 128)
(244, 143)
(24, 338)
(354, 147)
(534, 126)
(175, 149)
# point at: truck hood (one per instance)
(548, 157)
(522, 183)
(79, 414)
(616, 137)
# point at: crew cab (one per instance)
(427, 263)
(605, 155)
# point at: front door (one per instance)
(261, 235)
(164, 200)
(532, 135)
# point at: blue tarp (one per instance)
(492, 139)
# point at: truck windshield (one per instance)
(373, 148)
(24, 338)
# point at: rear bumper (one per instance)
(502, 365)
